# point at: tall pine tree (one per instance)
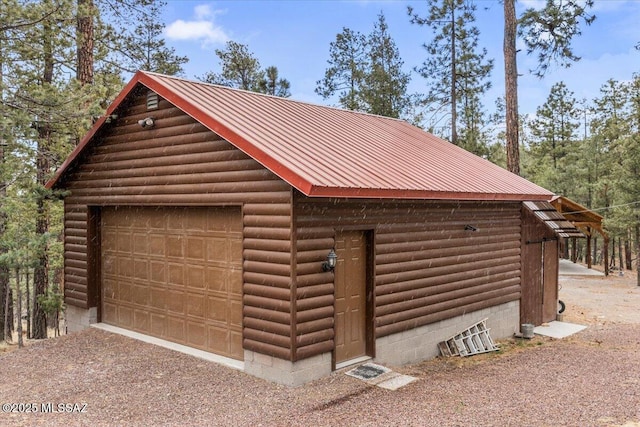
(385, 84)
(456, 69)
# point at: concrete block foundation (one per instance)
(77, 318)
(285, 372)
(421, 343)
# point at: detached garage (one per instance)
(292, 238)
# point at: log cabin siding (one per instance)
(179, 162)
(427, 266)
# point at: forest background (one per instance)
(63, 61)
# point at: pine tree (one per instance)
(348, 62)
(366, 73)
(384, 90)
(456, 69)
(553, 135)
(548, 32)
(627, 170)
(272, 84)
(145, 49)
(241, 70)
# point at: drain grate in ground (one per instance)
(368, 371)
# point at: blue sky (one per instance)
(295, 37)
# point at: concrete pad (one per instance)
(396, 382)
(557, 329)
(225, 361)
(569, 268)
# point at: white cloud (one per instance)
(203, 11)
(202, 28)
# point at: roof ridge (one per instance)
(278, 98)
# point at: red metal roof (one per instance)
(328, 152)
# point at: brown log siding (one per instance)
(181, 163)
(427, 267)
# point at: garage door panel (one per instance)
(159, 298)
(235, 340)
(123, 291)
(235, 313)
(217, 250)
(158, 325)
(158, 272)
(196, 334)
(140, 244)
(175, 246)
(141, 319)
(123, 243)
(196, 305)
(196, 224)
(219, 339)
(175, 273)
(109, 313)
(196, 248)
(157, 245)
(125, 266)
(125, 317)
(235, 282)
(217, 309)
(196, 277)
(141, 269)
(176, 330)
(156, 219)
(140, 295)
(176, 302)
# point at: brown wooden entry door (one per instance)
(350, 296)
(176, 274)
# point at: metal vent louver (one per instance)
(152, 100)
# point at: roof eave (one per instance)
(380, 193)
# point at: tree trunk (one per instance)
(638, 252)
(8, 315)
(606, 255)
(41, 271)
(613, 253)
(511, 86)
(84, 42)
(620, 257)
(454, 76)
(628, 254)
(28, 301)
(19, 299)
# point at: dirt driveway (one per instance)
(601, 300)
(589, 379)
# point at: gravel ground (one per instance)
(589, 379)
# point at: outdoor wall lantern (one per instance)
(147, 123)
(330, 263)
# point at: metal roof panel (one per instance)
(329, 152)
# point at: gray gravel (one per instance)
(589, 379)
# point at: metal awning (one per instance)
(553, 219)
